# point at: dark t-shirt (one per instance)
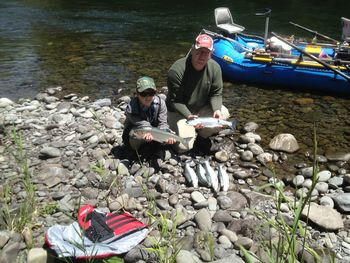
(191, 90)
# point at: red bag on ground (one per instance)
(107, 227)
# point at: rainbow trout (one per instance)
(223, 177)
(210, 122)
(158, 135)
(190, 175)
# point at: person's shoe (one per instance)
(202, 145)
(152, 150)
(160, 154)
(129, 154)
(118, 151)
(156, 163)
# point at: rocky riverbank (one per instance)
(67, 149)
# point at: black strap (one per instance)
(98, 231)
(114, 214)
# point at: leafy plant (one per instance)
(100, 170)
(210, 244)
(17, 220)
(6, 216)
(165, 247)
(48, 209)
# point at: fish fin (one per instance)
(187, 142)
(234, 124)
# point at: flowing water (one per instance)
(99, 49)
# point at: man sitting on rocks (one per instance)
(146, 109)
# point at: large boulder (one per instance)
(4, 102)
(284, 142)
(324, 217)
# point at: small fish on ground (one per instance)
(223, 177)
(202, 179)
(211, 175)
(190, 175)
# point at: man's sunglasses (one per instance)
(147, 93)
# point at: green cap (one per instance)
(145, 83)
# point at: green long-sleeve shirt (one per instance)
(191, 90)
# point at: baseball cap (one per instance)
(204, 41)
(145, 83)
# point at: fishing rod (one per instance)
(315, 32)
(213, 34)
(312, 57)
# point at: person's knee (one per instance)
(207, 132)
(180, 148)
(135, 144)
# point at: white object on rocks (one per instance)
(4, 102)
(284, 142)
(325, 217)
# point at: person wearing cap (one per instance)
(195, 90)
(146, 109)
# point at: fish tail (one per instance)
(234, 124)
(186, 142)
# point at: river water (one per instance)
(99, 49)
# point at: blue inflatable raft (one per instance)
(276, 62)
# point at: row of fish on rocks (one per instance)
(206, 176)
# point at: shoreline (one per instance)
(68, 144)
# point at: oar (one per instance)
(312, 57)
(314, 32)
